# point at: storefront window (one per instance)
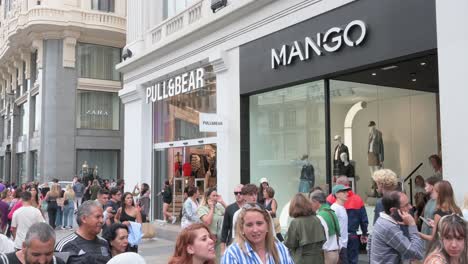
(287, 140)
(381, 127)
(97, 110)
(102, 163)
(98, 62)
(177, 117)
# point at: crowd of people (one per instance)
(106, 221)
(323, 228)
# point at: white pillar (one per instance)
(225, 65)
(452, 55)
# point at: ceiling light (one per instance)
(374, 74)
(389, 67)
(413, 80)
(422, 64)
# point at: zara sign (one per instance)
(331, 41)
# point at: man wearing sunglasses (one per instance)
(226, 233)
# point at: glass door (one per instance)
(183, 165)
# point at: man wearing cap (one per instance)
(357, 217)
(226, 233)
(340, 192)
(263, 185)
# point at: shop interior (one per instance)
(386, 116)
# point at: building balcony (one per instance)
(58, 16)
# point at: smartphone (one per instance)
(425, 220)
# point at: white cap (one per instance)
(127, 257)
(262, 180)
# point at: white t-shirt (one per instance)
(23, 218)
(6, 245)
(331, 244)
(340, 212)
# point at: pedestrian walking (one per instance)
(195, 244)
(23, 219)
(128, 213)
(306, 236)
(389, 244)
(117, 237)
(144, 201)
(254, 242)
(38, 247)
(167, 200)
(340, 192)
(68, 207)
(189, 209)
(226, 232)
(79, 190)
(331, 226)
(52, 206)
(211, 213)
(84, 245)
(450, 244)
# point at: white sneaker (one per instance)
(174, 219)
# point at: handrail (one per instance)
(411, 174)
(411, 182)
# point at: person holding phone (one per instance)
(389, 244)
(211, 213)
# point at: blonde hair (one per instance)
(69, 193)
(55, 190)
(270, 239)
(386, 178)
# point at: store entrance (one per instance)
(184, 165)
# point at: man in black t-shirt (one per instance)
(38, 247)
(85, 246)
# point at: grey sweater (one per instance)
(390, 245)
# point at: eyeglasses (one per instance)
(237, 193)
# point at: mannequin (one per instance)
(339, 149)
(346, 168)
(375, 148)
(307, 178)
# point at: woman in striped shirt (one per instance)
(255, 241)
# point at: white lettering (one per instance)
(295, 51)
(148, 93)
(309, 43)
(277, 60)
(336, 39)
(183, 83)
(357, 23)
(200, 78)
(192, 81)
(331, 41)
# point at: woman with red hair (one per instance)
(194, 245)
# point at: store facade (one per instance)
(276, 95)
(345, 93)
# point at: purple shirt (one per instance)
(2, 187)
(4, 213)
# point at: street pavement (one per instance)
(157, 250)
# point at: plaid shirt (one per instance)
(390, 245)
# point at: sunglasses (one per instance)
(237, 193)
(248, 206)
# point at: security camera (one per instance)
(126, 53)
(217, 4)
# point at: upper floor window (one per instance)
(98, 62)
(172, 7)
(97, 110)
(103, 5)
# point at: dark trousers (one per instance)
(52, 208)
(353, 249)
(343, 259)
